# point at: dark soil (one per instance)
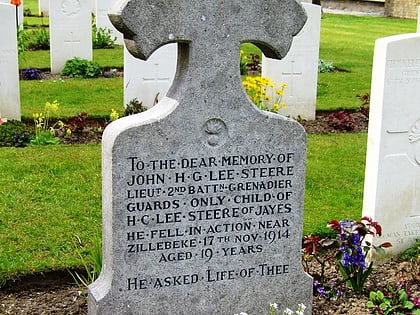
(56, 292)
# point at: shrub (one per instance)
(39, 39)
(365, 104)
(102, 38)
(14, 133)
(134, 107)
(343, 120)
(81, 68)
(325, 66)
(30, 74)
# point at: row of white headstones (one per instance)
(70, 36)
(392, 182)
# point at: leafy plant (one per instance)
(325, 66)
(22, 41)
(102, 38)
(81, 68)
(243, 62)
(91, 260)
(393, 301)
(39, 39)
(14, 133)
(78, 122)
(412, 253)
(44, 134)
(264, 93)
(134, 107)
(365, 103)
(343, 120)
(353, 249)
(30, 74)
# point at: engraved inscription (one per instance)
(70, 7)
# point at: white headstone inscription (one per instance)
(9, 74)
(299, 69)
(392, 180)
(70, 32)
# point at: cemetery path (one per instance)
(56, 292)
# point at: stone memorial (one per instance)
(19, 14)
(9, 74)
(392, 180)
(299, 69)
(203, 193)
(102, 20)
(70, 32)
(149, 79)
(43, 7)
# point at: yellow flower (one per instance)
(280, 92)
(267, 98)
(68, 132)
(114, 115)
(276, 106)
(284, 85)
(283, 105)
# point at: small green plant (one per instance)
(22, 40)
(91, 260)
(134, 107)
(39, 39)
(264, 93)
(102, 38)
(81, 68)
(44, 133)
(243, 62)
(14, 133)
(412, 253)
(273, 310)
(393, 301)
(325, 66)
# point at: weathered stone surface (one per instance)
(392, 180)
(203, 193)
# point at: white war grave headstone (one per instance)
(392, 179)
(418, 19)
(70, 32)
(9, 73)
(19, 12)
(299, 69)
(147, 80)
(203, 193)
(43, 7)
(102, 20)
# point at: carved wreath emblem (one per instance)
(215, 130)
(70, 7)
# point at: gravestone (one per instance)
(43, 7)
(9, 75)
(19, 14)
(299, 69)
(145, 80)
(418, 19)
(102, 20)
(203, 193)
(70, 32)
(392, 180)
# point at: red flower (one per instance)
(16, 2)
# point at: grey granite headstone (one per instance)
(203, 193)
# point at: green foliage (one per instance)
(14, 133)
(91, 260)
(134, 107)
(38, 39)
(102, 38)
(22, 41)
(392, 301)
(413, 253)
(44, 133)
(81, 68)
(325, 66)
